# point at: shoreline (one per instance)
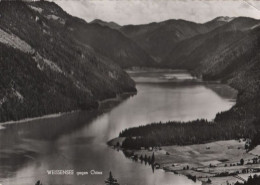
(48, 116)
(196, 80)
(218, 161)
(59, 114)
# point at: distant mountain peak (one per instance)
(111, 24)
(97, 21)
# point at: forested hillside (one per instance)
(158, 39)
(205, 53)
(45, 68)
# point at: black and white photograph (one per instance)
(129, 92)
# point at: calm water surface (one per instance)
(78, 140)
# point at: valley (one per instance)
(179, 90)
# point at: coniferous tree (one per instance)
(241, 161)
(145, 159)
(141, 158)
(153, 159)
(38, 183)
(111, 180)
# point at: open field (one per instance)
(220, 161)
(255, 151)
(229, 179)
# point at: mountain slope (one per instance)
(104, 40)
(45, 68)
(229, 54)
(111, 43)
(158, 39)
(205, 53)
(112, 25)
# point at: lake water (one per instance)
(77, 141)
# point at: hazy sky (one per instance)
(145, 11)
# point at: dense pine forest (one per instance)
(179, 133)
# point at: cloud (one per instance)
(145, 11)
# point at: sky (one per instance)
(126, 12)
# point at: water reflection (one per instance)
(78, 140)
(23, 142)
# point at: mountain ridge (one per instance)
(158, 39)
(45, 69)
(110, 24)
(187, 50)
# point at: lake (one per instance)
(77, 141)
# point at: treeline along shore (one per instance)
(183, 133)
(242, 121)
